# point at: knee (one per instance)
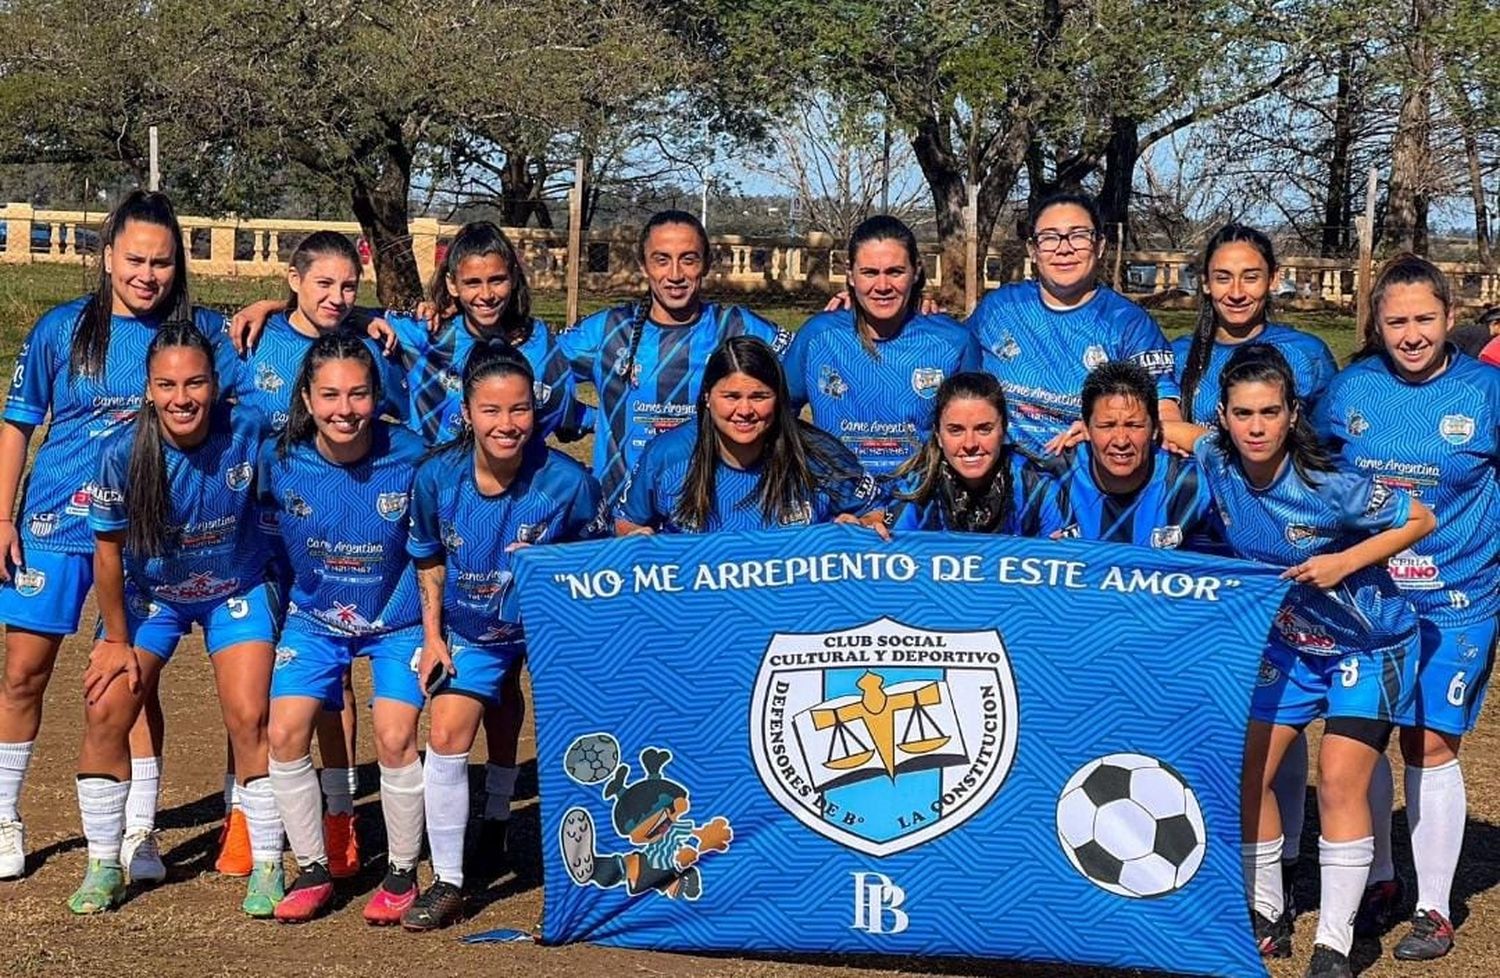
(396, 744)
(287, 741)
(24, 682)
(1340, 789)
(446, 737)
(110, 719)
(246, 721)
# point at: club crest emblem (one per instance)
(1356, 424)
(541, 393)
(1166, 537)
(238, 476)
(926, 381)
(872, 737)
(391, 505)
(1095, 356)
(268, 380)
(1456, 429)
(1007, 348)
(830, 382)
(42, 525)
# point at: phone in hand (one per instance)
(437, 678)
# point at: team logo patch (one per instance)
(663, 847)
(297, 506)
(452, 381)
(42, 525)
(531, 532)
(541, 393)
(831, 383)
(1356, 423)
(238, 476)
(1302, 535)
(1456, 429)
(1006, 348)
(284, 656)
(1267, 675)
(268, 380)
(451, 539)
(29, 582)
(391, 505)
(1166, 537)
(850, 749)
(1095, 356)
(926, 381)
(799, 515)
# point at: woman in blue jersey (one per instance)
(1238, 272)
(81, 371)
(335, 487)
(176, 542)
(646, 359)
(1417, 414)
(1342, 647)
(494, 490)
(1042, 337)
(871, 370)
(745, 462)
(967, 477)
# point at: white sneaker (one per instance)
(12, 849)
(141, 855)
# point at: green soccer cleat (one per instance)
(265, 889)
(103, 888)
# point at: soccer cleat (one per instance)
(1328, 963)
(12, 849)
(1379, 908)
(342, 840)
(309, 896)
(234, 847)
(265, 890)
(103, 888)
(441, 906)
(1430, 938)
(396, 894)
(1274, 937)
(140, 852)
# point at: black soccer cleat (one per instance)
(1430, 938)
(441, 906)
(1274, 937)
(1328, 963)
(1379, 908)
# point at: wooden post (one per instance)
(971, 251)
(1119, 255)
(1365, 271)
(575, 239)
(154, 183)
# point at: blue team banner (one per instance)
(941, 745)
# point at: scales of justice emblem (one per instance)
(884, 736)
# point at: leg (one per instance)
(1260, 825)
(337, 731)
(1351, 747)
(502, 730)
(455, 722)
(242, 673)
(29, 658)
(395, 725)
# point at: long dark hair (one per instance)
(1403, 269)
(985, 511)
(480, 239)
(338, 344)
(1205, 327)
(787, 464)
(494, 358)
(91, 337)
(320, 244)
(643, 308)
(883, 227)
(148, 503)
(1263, 363)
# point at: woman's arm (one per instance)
(432, 573)
(1327, 570)
(15, 438)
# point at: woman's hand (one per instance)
(109, 660)
(1323, 571)
(10, 548)
(246, 326)
(870, 521)
(380, 331)
(1076, 433)
(434, 653)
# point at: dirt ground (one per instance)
(191, 925)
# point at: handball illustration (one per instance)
(1131, 825)
(592, 758)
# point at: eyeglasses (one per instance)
(1081, 239)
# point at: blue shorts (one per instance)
(46, 594)
(481, 669)
(1452, 675)
(157, 626)
(309, 663)
(1293, 689)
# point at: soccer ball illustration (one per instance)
(592, 758)
(1131, 825)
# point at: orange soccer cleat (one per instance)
(342, 841)
(234, 846)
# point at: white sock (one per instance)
(14, 759)
(295, 785)
(447, 805)
(499, 785)
(1344, 868)
(338, 789)
(145, 785)
(1436, 807)
(257, 800)
(401, 800)
(1290, 787)
(1382, 800)
(229, 794)
(101, 803)
(1262, 865)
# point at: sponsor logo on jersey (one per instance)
(1070, 532)
(1356, 423)
(1415, 572)
(238, 477)
(81, 500)
(1006, 347)
(267, 379)
(926, 381)
(1166, 537)
(1302, 535)
(531, 532)
(451, 539)
(201, 586)
(296, 505)
(828, 713)
(1303, 635)
(1095, 356)
(29, 582)
(284, 656)
(799, 515)
(391, 505)
(1456, 429)
(831, 383)
(1155, 362)
(41, 525)
(1380, 494)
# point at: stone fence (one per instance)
(232, 247)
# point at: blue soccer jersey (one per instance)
(213, 547)
(1311, 361)
(552, 500)
(654, 489)
(263, 379)
(878, 404)
(1172, 510)
(1439, 441)
(660, 390)
(1042, 355)
(1035, 504)
(343, 530)
(434, 367)
(1291, 520)
(82, 412)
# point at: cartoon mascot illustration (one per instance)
(650, 813)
